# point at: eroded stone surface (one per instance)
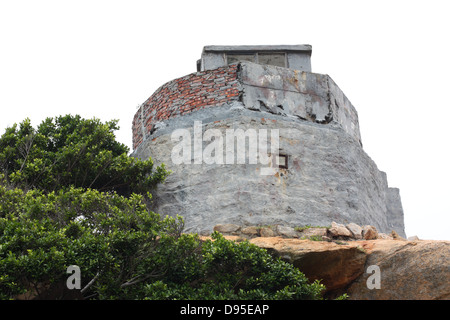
(330, 178)
(410, 270)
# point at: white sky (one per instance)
(104, 58)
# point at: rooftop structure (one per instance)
(297, 57)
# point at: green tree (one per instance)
(115, 241)
(72, 151)
(224, 269)
(70, 195)
(125, 251)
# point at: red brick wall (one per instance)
(183, 95)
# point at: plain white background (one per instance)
(104, 58)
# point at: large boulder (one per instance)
(408, 269)
(355, 230)
(339, 230)
(369, 233)
(336, 265)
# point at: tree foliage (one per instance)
(72, 151)
(127, 252)
(111, 237)
(69, 195)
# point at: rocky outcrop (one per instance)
(335, 265)
(409, 270)
(345, 257)
(336, 231)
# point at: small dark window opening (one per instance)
(282, 161)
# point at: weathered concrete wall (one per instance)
(308, 96)
(290, 93)
(299, 62)
(213, 60)
(394, 208)
(330, 178)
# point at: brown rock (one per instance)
(228, 237)
(287, 232)
(384, 236)
(266, 232)
(227, 228)
(395, 236)
(250, 231)
(339, 230)
(410, 270)
(355, 229)
(313, 232)
(369, 233)
(336, 265)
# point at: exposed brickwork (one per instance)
(183, 95)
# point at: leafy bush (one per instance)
(69, 195)
(228, 270)
(103, 233)
(71, 151)
(132, 253)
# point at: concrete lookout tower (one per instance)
(255, 138)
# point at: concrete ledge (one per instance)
(264, 48)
